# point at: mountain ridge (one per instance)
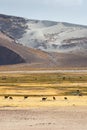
(26, 55)
(42, 34)
(42, 43)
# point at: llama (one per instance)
(54, 98)
(11, 98)
(65, 98)
(44, 98)
(6, 97)
(25, 97)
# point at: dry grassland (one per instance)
(37, 86)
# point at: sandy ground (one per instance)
(44, 71)
(53, 118)
(34, 114)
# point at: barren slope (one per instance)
(12, 52)
(45, 35)
(64, 44)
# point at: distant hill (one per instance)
(42, 43)
(45, 35)
(14, 53)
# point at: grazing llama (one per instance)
(44, 98)
(11, 98)
(65, 98)
(54, 98)
(6, 97)
(25, 97)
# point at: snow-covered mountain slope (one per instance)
(45, 35)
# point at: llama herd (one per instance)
(76, 92)
(25, 97)
(43, 98)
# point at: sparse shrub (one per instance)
(78, 91)
(80, 94)
(64, 78)
(4, 78)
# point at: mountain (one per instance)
(42, 44)
(49, 36)
(14, 53)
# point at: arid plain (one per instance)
(22, 105)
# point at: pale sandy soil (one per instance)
(53, 118)
(44, 71)
(35, 114)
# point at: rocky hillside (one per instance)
(14, 53)
(42, 43)
(45, 35)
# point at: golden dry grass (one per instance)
(40, 85)
(43, 84)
